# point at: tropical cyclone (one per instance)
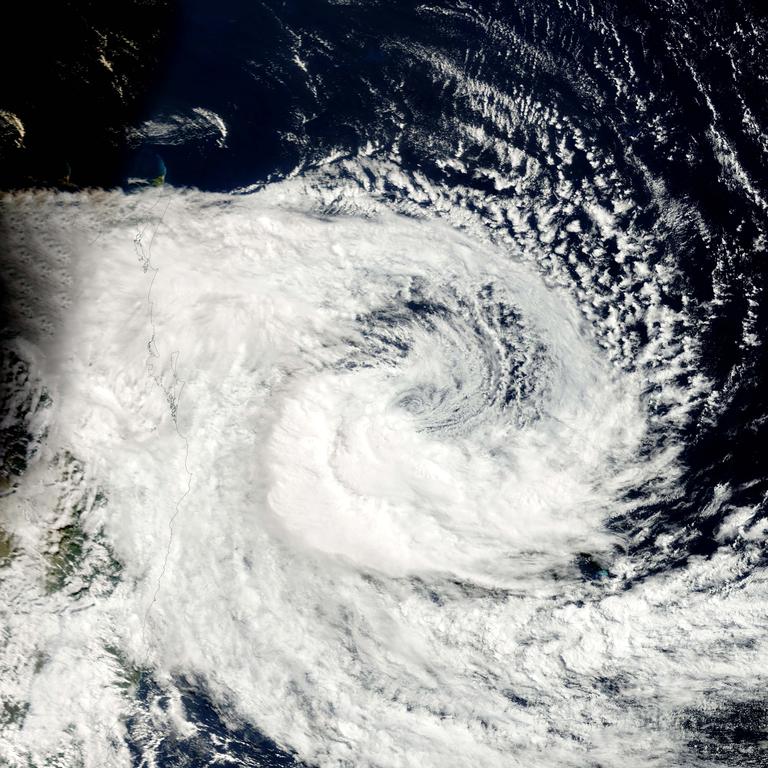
(408, 450)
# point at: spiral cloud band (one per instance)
(364, 474)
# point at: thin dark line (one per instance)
(145, 260)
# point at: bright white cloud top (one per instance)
(348, 455)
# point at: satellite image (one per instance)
(384, 384)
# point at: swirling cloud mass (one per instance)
(357, 468)
(404, 406)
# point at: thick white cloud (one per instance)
(354, 519)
